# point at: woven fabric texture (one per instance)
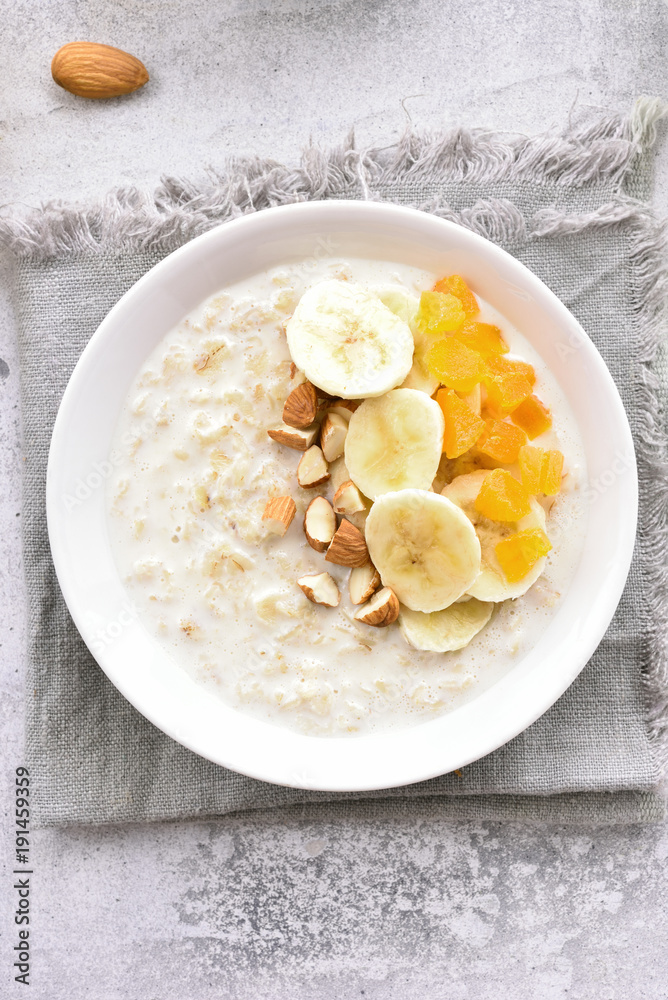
(587, 232)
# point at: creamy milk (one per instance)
(194, 468)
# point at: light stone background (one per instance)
(269, 908)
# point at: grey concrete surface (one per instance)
(270, 907)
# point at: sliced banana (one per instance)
(492, 585)
(424, 547)
(405, 305)
(347, 342)
(394, 442)
(401, 303)
(447, 630)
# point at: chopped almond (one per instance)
(333, 436)
(299, 438)
(348, 499)
(363, 582)
(312, 469)
(381, 610)
(320, 589)
(278, 513)
(343, 408)
(301, 406)
(319, 523)
(347, 547)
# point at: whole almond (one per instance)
(97, 71)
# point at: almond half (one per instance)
(312, 469)
(363, 582)
(301, 406)
(279, 513)
(348, 499)
(320, 589)
(333, 436)
(299, 438)
(347, 547)
(319, 523)
(381, 610)
(88, 69)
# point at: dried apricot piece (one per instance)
(462, 425)
(455, 365)
(498, 366)
(439, 313)
(519, 553)
(473, 399)
(551, 472)
(532, 416)
(455, 285)
(505, 392)
(501, 441)
(502, 497)
(531, 464)
(508, 383)
(485, 338)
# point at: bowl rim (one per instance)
(385, 769)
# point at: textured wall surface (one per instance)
(274, 907)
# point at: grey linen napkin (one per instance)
(573, 208)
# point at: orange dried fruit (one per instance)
(541, 470)
(519, 553)
(551, 472)
(508, 383)
(501, 441)
(498, 366)
(505, 392)
(473, 399)
(455, 365)
(531, 463)
(455, 285)
(532, 416)
(462, 425)
(439, 313)
(502, 497)
(485, 338)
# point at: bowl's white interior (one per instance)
(134, 661)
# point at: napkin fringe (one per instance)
(129, 219)
(649, 256)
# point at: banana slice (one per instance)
(447, 630)
(394, 442)
(424, 547)
(405, 305)
(401, 303)
(492, 585)
(347, 342)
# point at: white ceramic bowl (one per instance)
(151, 680)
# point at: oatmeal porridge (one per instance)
(345, 542)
